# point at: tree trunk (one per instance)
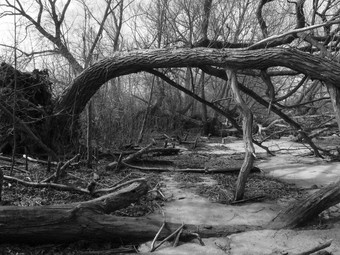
(141, 132)
(300, 212)
(89, 135)
(206, 129)
(88, 82)
(247, 136)
(334, 93)
(1, 182)
(65, 223)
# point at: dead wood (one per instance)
(248, 200)
(117, 186)
(74, 222)
(153, 151)
(45, 185)
(61, 169)
(113, 165)
(144, 151)
(192, 170)
(34, 160)
(317, 248)
(17, 169)
(9, 159)
(301, 212)
(69, 222)
(247, 126)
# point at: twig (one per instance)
(177, 238)
(15, 168)
(156, 237)
(246, 200)
(26, 157)
(130, 158)
(53, 176)
(119, 161)
(8, 159)
(60, 169)
(167, 238)
(299, 30)
(46, 185)
(198, 238)
(316, 248)
(109, 190)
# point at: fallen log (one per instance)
(144, 151)
(153, 151)
(68, 222)
(302, 211)
(29, 225)
(193, 170)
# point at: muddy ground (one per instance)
(199, 198)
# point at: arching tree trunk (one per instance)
(88, 82)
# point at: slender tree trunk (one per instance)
(204, 108)
(1, 182)
(247, 136)
(89, 135)
(141, 132)
(334, 93)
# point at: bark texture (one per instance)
(247, 124)
(334, 93)
(66, 223)
(89, 81)
(301, 212)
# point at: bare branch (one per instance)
(272, 40)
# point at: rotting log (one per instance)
(303, 211)
(68, 222)
(31, 225)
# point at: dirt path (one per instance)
(188, 207)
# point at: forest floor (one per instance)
(198, 198)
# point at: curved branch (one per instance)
(88, 82)
(260, 19)
(292, 91)
(287, 37)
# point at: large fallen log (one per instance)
(86, 224)
(303, 211)
(91, 221)
(68, 222)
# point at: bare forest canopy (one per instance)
(285, 53)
